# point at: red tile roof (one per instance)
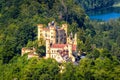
(58, 45)
(62, 46)
(74, 47)
(46, 29)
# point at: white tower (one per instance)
(47, 48)
(70, 52)
(75, 39)
(40, 29)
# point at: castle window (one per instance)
(51, 36)
(45, 35)
(52, 56)
(57, 41)
(40, 33)
(64, 34)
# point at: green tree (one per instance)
(41, 50)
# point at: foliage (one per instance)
(48, 69)
(95, 4)
(107, 35)
(100, 40)
(41, 50)
(18, 20)
(22, 69)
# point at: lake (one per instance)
(104, 14)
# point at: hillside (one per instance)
(100, 41)
(18, 21)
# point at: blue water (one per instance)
(105, 17)
(105, 14)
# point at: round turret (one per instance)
(47, 48)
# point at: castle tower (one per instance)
(65, 27)
(70, 49)
(75, 39)
(70, 39)
(47, 48)
(52, 34)
(70, 52)
(40, 29)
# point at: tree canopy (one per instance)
(18, 28)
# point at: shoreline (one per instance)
(116, 5)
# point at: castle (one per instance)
(59, 45)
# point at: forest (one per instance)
(18, 28)
(96, 4)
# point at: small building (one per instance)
(31, 55)
(62, 52)
(31, 52)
